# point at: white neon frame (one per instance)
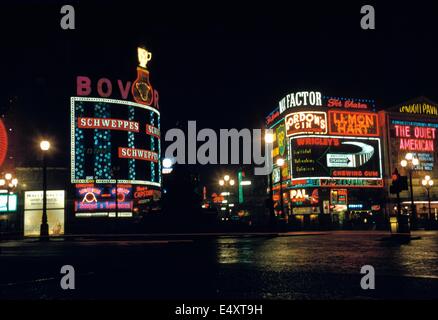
(338, 137)
(73, 143)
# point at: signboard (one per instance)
(306, 122)
(351, 183)
(418, 138)
(362, 124)
(34, 199)
(97, 199)
(303, 99)
(335, 157)
(8, 203)
(338, 196)
(419, 108)
(306, 210)
(33, 205)
(114, 139)
(346, 103)
(303, 197)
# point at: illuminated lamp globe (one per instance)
(409, 156)
(424, 182)
(227, 177)
(427, 178)
(167, 163)
(221, 182)
(269, 137)
(45, 145)
(404, 163)
(232, 182)
(415, 162)
(2, 182)
(280, 162)
(431, 183)
(15, 182)
(8, 176)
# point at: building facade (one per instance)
(327, 156)
(411, 127)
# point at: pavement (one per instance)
(277, 266)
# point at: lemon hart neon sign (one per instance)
(140, 90)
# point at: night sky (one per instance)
(221, 63)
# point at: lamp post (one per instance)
(410, 163)
(44, 229)
(269, 138)
(227, 181)
(280, 164)
(427, 183)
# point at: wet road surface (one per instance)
(319, 266)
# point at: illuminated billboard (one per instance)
(8, 203)
(418, 138)
(100, 200)
(335, 157)
(114, 140)
(306, 122)
(362, 124)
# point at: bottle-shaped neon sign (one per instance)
(142, 89)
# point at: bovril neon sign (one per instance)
(140, 90)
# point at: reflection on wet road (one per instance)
(325, 266)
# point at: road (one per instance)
(291, 266)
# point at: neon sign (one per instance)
(304, 98)
(363, 124)
(153, 131)
(110, 124)
(101, 141)
(301, 196)
(347, 104)
(420, 108)
(415, 138)
(104, 89)
(101, 198)
(333, 157)
(306, 122)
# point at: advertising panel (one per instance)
(362, 124)
(418, 138)
(306, 122)
(304, 197)
(8, 203)
(114, 139)
(99, 200)
(335, 157)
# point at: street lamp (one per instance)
(226, 180)
(427, 183)
(44, 229)
(269, 139)
(280, 164)
(410, 162)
